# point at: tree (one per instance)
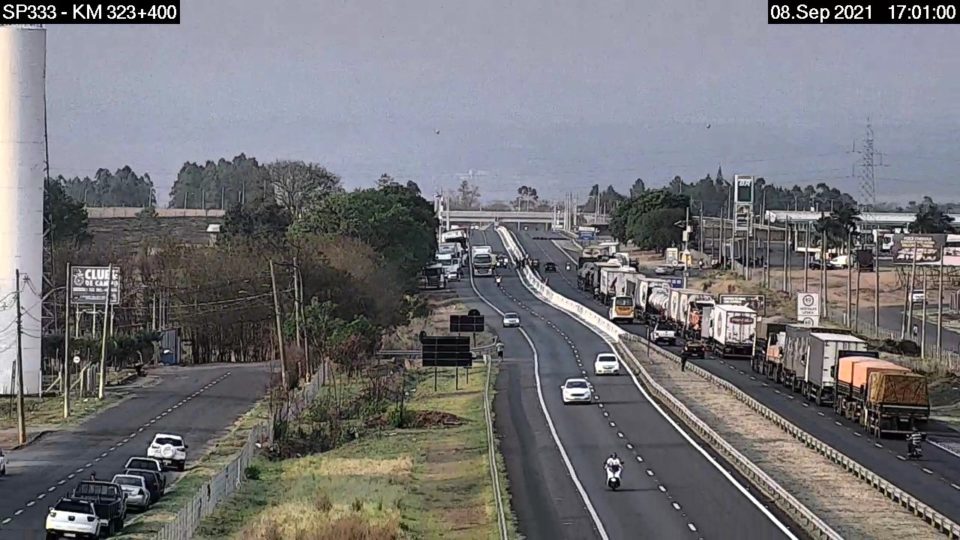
(297, 185)
(123, 188)
(628, 220)
(468, 195)
(66, 218)
(261, 219)
(219, 184)
(931, 219)
(657, 230)
(385, 180)
(527, 197)
(638, 188)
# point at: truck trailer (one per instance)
(646, 286)
(768, 351)
(613, 282)
(884, 398)
(695, 308)
(482, 261)
(795, 351)
(825, 349)
(732, 331)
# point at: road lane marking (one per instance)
(31, 503)
(18, 512)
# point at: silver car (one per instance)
(511, 320)
(135, 488)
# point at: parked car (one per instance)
(72, 518)
(694, 349)
(550, 267)
(135, 488)
(3, 463)
(511, 320)
(576, 391)
(917, 297)
(153, 481)
(168, 450)
(664, 332)
(606, 364)
(109, 502)
(148, 464)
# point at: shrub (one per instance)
(252, 472)
(322, 503)
(357, 505)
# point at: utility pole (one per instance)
(276, 313)
(849, 309)
(806, 259)
(876, 284)
(686, 247)
(66, 351)
(296, 300)
(923, 316)
(701, 229)
(940, 312)
(766, 260)
(21, 413)
(103, 341)
(908, 312)
(824, 301)
(787, 285)
(722, 258)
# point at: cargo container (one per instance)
(768, 353)
(795, 350)
(658, 303)
(824, 350)
(588, 255)
(585, 277)
(647, 314)
(695, 308)
(600, 286)
(883, 397)
(732, 331)
(613, 282)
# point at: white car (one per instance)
(3, 463)
(606, 364)
(511, 320)
(73, 518)
(135, 489)
(576, 391)
(168, 450)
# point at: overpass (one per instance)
(486, 217)
(124, 212)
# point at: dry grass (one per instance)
(813, 479)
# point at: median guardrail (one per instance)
(785, 500)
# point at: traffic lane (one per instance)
(214, 401)
(891, 318)
(936, 487)
(542, 496)
(55, 457)
(588, 439)
(708, 499)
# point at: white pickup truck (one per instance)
(663, 333)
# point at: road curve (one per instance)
(671, 489)
(935, 480)
(196, 402)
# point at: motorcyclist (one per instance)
(567, 267)
(613, 462)
(913, 442)
(498, 278)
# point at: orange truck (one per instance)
(883, 397)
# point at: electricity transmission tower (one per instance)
(869, 160)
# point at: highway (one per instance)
(198, 403)
(935, 479)
(673, 487)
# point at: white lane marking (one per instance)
(51, 488)
(553, 430)
(7, 520)
(61, 482)
(676, 506)
(41, 496)
(783, 528)
(31, 503)
(649, 472)
(18, 512)
(928, 471)
(694, 529)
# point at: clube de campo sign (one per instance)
(89, 284)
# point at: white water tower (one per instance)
(23, 55)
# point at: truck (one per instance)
(585, 277)
(732, 331)
(433, 276)
(768, 352)
(108, 501)
(695, 308)
(588, 255)
(646, 287)
(613, 282)
(482, 262)
(451, 265)
(795, 351)
(658, 305)
(818, 383)
(884, 398)
(456, 236)
(600, 285)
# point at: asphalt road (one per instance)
(672, 489)
(196, 402)
(939, 488)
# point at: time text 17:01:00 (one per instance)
(866, 12)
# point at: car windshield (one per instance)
(509, 315)
(168, 440)
(607, 358)
(576, 384)
(148, 476)
(128, 480)
(625, 301)
(73, 506)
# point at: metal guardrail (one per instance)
(226, 482)
(931, 516)
(492, 456)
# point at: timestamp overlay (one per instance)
(862, 12)
(116, 12)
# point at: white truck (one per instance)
(732, 331)
(481, 250)
(819, 378)
(451, 265)
(482, 261)
(600, 289)
(649, 312)
(613, 282)
(693, 310)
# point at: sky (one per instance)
(558, 95)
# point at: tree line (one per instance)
(345, 265)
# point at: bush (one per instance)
(357, 505)
(252, 472)
(322, 503)
(394, 419)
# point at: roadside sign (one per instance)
(89, 284)
(472, 322)
(446, 351)
(675, 282)
(808, 308)
(756, 302)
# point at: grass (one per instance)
(410, 483)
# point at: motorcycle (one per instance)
(613, 476)
(567, 267)
(915, 451)
(498, 278)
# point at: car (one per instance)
(168, 449)
(3, 463)
(664, 270)
(814, 265)
(151, 479)
(148, 464)
(136, 490)
(534, 264)
(694, 349)
(511, 320)
(606, 364)
(72, 518)
(663, 333)
(576, 391)
(502, 260)
(550, 267)
(917, 297)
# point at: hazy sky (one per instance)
(556, 94)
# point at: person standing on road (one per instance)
(683, 362)
(500, 349)
(916, 331)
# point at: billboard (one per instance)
(743, 204)
(928, 248)
(89, 284)
(756, 302)
(446, 351)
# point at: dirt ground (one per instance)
(813, 479)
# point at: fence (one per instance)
(228, 480)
